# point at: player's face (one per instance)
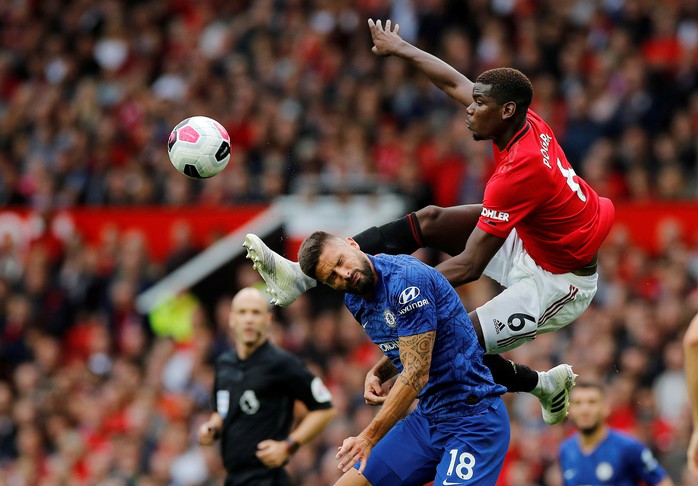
(484, 114)
(343, 266)
(588, 409)
(249, 317)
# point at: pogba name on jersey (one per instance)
(545, 145)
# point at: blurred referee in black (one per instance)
(255, 390)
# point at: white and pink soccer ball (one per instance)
(199, 147)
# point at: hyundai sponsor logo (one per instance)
(409, 294)
(413, 306)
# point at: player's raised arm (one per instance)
(387, 42)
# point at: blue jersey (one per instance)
(413, 298)
(619, 460)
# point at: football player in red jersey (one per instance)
(537, 231)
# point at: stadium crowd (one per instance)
(94, 393)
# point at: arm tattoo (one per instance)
(415, 355)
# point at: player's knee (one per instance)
(433, 215)
(475, 320)
(352, 478)
(427, 216)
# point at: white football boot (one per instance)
(285, 280)
(553, 391)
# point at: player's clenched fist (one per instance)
(207, 434)
(385, 39)
(373, 392)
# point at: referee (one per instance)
(255, 388)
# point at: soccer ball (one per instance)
(199, 147)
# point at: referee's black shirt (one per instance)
(255, 396)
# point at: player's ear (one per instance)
(352, 243)
(508, 110)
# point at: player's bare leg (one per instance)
(448, 229)
(285, 280)
(445, 229)
(352, 478)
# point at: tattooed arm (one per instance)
(415, 355)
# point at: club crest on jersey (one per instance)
(604, 471)
(409, 294)
(390, 317)
(249, 403)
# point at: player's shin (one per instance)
(515, 377)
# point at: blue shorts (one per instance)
(464, 450)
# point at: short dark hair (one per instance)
(508, 84)
(310, 250)
(590, 384)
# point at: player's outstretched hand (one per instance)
(385, 39)
(693, 451)
(272, 453)
(353, 450)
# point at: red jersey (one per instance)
(559, 218)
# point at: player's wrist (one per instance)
(365, 437)
(291, 445)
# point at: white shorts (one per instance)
(534, 300)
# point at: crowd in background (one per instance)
(89, 92)
(94, 393)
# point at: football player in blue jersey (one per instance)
(459, 432)
(599, 455)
